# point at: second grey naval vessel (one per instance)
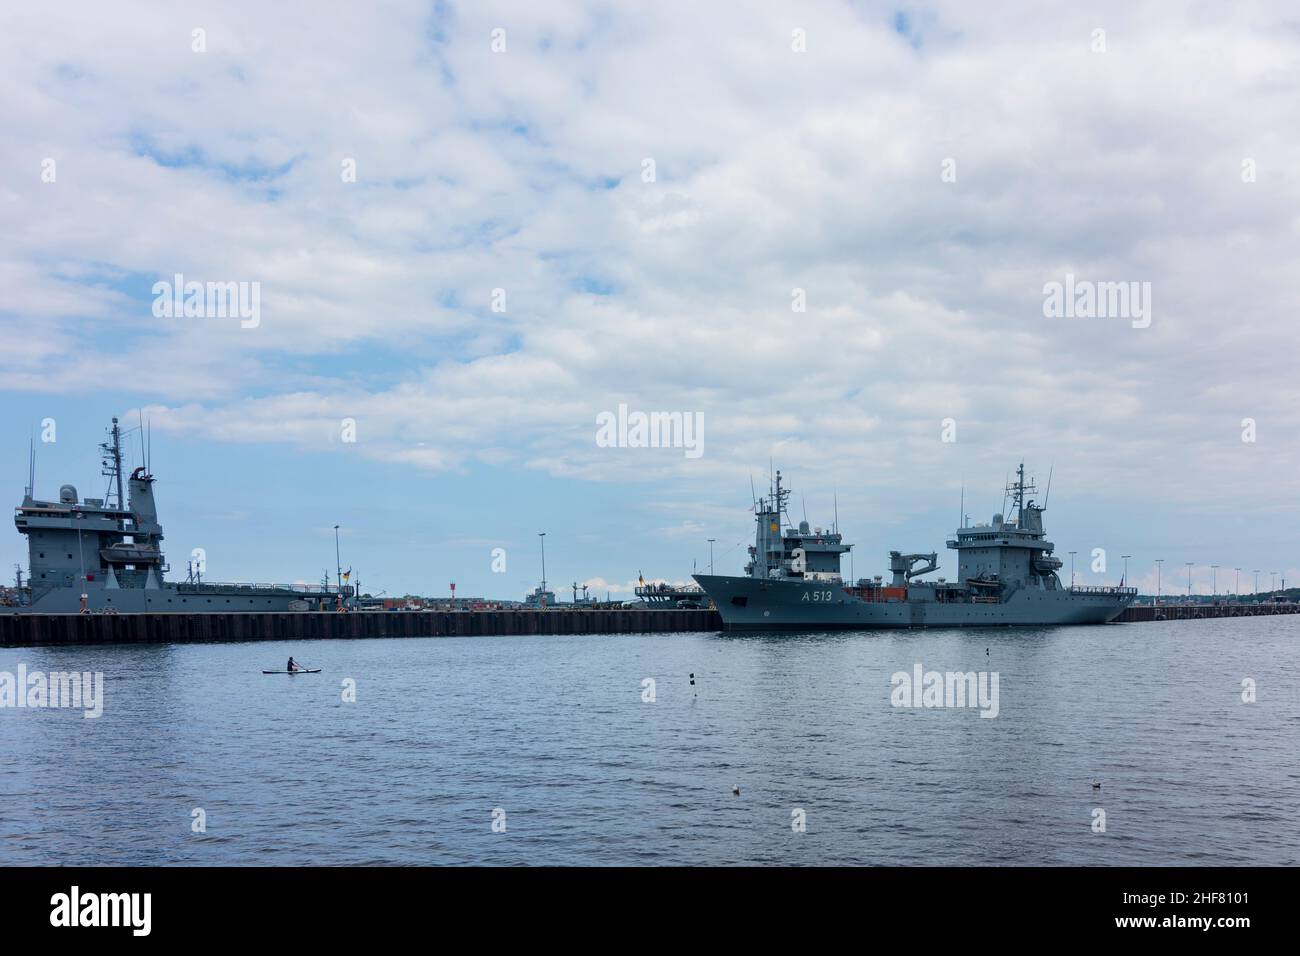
(97, 555)
(1006, 575)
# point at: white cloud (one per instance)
(776, 170)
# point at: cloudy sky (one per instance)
(824, 228)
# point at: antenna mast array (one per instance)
(112, 462)
(1017, 491)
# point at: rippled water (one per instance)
(553, 731)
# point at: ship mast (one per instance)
(1020, 496)
(112, 462)
(1017, 492)
(779, 498)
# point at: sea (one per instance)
(1163, 743)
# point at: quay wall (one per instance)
(1197, 612)
(32, 630)
(35, 630)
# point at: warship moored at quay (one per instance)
(104, 555)
(98, 575)
(1006, 575)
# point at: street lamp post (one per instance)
(338, 561)
(1189, 581)
(1159, 562)
(711, 540)
(1236, 585)
(1214, 579)
(542, 535)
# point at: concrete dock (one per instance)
(33, 630)
(1197, 612)
(36, 630)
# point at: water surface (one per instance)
(553, 731)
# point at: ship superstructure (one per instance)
(105, 554)
(1006, 574)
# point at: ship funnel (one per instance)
(68, 495)
(141, 497)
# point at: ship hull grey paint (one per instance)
(1006, 576)
(168, 598)
(790, 605)
(104, 555)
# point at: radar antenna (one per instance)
(1017, 491)
(112, 462)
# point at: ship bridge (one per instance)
(796, 552)
(1005, 552)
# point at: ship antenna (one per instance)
(117, 463)
(961, 518)
(31, 466)
(837, 510)
(144, 452)
(113, 462)
(1020, 494)
(1047, 494)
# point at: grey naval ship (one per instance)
(104, 555)
(1006, 575)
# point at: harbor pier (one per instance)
(1200, 611)
(42, 630)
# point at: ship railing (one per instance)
(877, 595)
(1101, 589)
(298, 588)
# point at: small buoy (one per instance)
(735, 790)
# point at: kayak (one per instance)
(302, 671)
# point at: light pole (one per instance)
(1126, 557)
(1256, 591)
(1072, 554)
(1214, 579)
(338, 562)
(1189, 581)
(1236, 585)
(711, 540)
(542, 535)
(1159, 562)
